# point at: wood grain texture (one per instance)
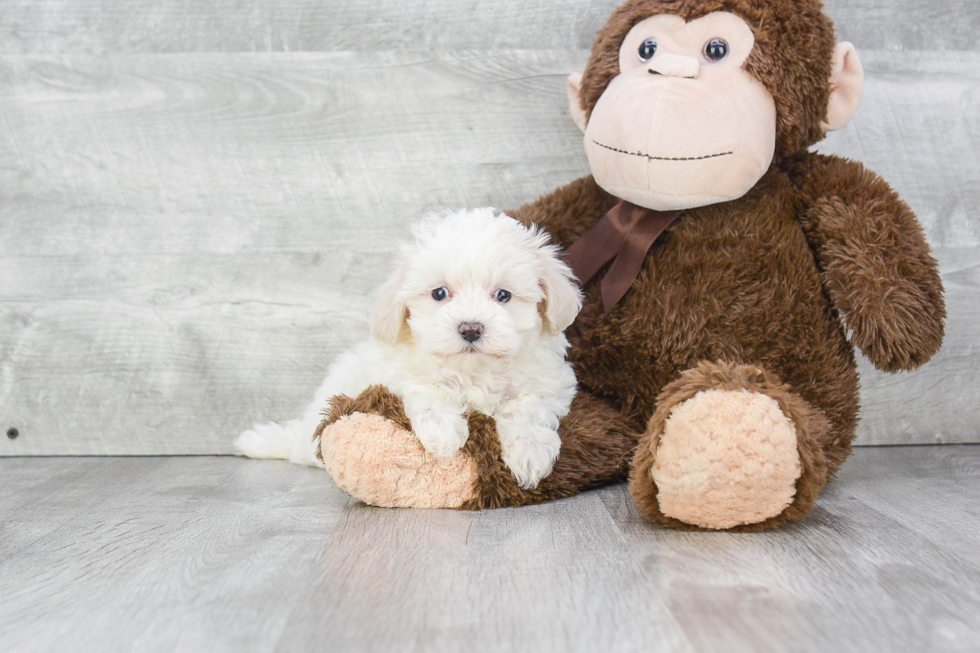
(224, 554)
(829, 582)
(106, 26)
(189, 239)
(156, 554)
(924, 493)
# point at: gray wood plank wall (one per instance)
(105, 26)
(198, 199)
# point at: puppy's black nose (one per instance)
(470, 331)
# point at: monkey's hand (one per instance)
(875, 264)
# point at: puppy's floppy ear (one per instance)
(562, 296)
(390, 313)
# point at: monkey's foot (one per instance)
(726, 458)
(729, 448)
(374, 460)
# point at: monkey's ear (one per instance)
(846, 87)
(575, 100)
(390, 313)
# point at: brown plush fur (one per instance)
(596, 449)
(757, 293)
(875, 267)
(734, 282)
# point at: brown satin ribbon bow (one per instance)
(625, 233)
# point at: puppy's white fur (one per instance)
(516, 371)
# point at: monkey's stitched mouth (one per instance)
(664, 158)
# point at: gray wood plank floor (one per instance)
(223, 554)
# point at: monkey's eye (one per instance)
(440, 294)
(501, 296)
(715, 50)
(647, 49)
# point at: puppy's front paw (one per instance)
(441, 432)
(529, 450)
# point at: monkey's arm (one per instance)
(876, 266)
(567, 212)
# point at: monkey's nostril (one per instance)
(471, 331)
(653, 72)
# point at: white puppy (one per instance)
(471, 319)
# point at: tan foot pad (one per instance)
(726, 458)
(375, 461)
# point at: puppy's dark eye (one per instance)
(501, 296)
(715, 50)
(440, 294)
(647, 49)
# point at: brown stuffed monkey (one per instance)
(728, 273)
